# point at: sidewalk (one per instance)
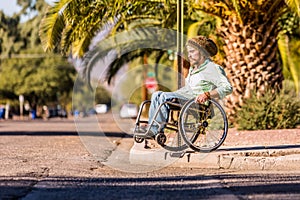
(252, 150)
(244, 150)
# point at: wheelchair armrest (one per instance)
(174, 104)
(175, 100)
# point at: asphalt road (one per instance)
(163, 184)
(48, 160)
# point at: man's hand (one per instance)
(201, 98)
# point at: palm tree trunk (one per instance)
(251, 60)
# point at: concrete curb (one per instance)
(279, 157)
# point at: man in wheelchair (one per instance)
(205, 80)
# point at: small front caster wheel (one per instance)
(138, 139)
(161, 139)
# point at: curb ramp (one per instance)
(281, 157)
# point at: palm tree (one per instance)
(72, 24)
(68, 29)
(249, 30)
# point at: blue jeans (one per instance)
(158, 98)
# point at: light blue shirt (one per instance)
(207, 77)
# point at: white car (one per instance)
(101, 108)
(129, 110)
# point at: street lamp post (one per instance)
(180, 7)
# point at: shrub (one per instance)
(279, 110)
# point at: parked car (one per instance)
(92, 111)
(129, 110)
(101, 108)
(57, 112)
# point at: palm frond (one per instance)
(284, 49)
(52, 26)
(275, 7)
(122, 44)
(294, 5)
(65, 42)
(238, 10)
(289, 67)
(119, 62)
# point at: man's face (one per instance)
(194, 56)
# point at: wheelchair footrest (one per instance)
(177, 154)
(143, 135)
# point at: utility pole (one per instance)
(180, 9)
(145, 71)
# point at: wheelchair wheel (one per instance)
(203, 126)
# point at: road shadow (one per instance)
(243, 186)
(64, 133)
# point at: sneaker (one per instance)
(145, 129)
(141, 129)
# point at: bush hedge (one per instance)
(280, 110)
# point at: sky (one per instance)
(10, 6)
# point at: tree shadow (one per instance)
(243, 186)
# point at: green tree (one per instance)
(10, 41)
(15, 35)
(24, 67)
(40, 80)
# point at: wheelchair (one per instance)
(200, 127)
